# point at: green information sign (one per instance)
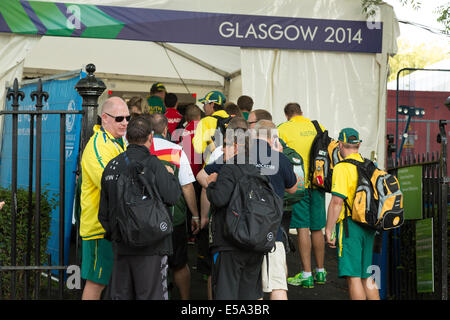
(424, 255)
(410, 179)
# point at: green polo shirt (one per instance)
(156, 105)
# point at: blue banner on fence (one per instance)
(62, 96)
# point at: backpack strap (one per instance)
(140, 173)
(221, 125)
(311, 173)
(317, 126)
(366, 168)
(344, 226)
(354, 162)
(346, 215)
(127, 161)
(221, 120)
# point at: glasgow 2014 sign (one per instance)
(111, 22)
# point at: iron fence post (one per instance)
(89, 88)
(39, 95)
(443, 209)
(30, 207)
(16, 95)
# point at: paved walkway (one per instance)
(334, 289)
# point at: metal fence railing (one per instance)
(21, 277)
(402, 278)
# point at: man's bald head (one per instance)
(265, 129)
(112, 103)
(111, 109)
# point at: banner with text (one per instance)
(111, 22)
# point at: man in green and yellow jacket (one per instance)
(105, 144)
(213, 104)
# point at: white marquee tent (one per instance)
(340, 89)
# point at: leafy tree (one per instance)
(444, 16)
(411, 55)
(48, 203)
(443, 11)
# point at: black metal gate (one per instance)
(402, 276)
(90, 89)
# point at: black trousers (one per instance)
(139, 278)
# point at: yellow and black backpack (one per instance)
(378, 201)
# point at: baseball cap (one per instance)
(349, 135)
(158, 86)
(214, 96)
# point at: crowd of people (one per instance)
(197, 157)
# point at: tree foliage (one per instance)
(443, 11)
(48, 203)
(413, 55)
(444, 16)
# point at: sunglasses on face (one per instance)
(209, 101)
(119, 118)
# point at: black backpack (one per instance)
(142, 217)
(254, 213)
(323, 156)
(222, 124)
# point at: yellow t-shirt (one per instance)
(343, 185)
(299, 133)
(345, 181)
(100, 149)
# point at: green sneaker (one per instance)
(320, 277)
(298, 280)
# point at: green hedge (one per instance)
(47, 205)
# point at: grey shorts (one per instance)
(139, 278)
(236, 275)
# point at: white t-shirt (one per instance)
(185, 175)
(216, 154)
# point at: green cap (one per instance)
(214, 96)
(349, 135)
(158, 86)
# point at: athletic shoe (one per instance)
(298, 280)
(320, 277)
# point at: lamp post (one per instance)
(410, 112)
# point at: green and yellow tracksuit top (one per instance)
(101, 148)
(205, 130)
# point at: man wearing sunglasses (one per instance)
(105, 144)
